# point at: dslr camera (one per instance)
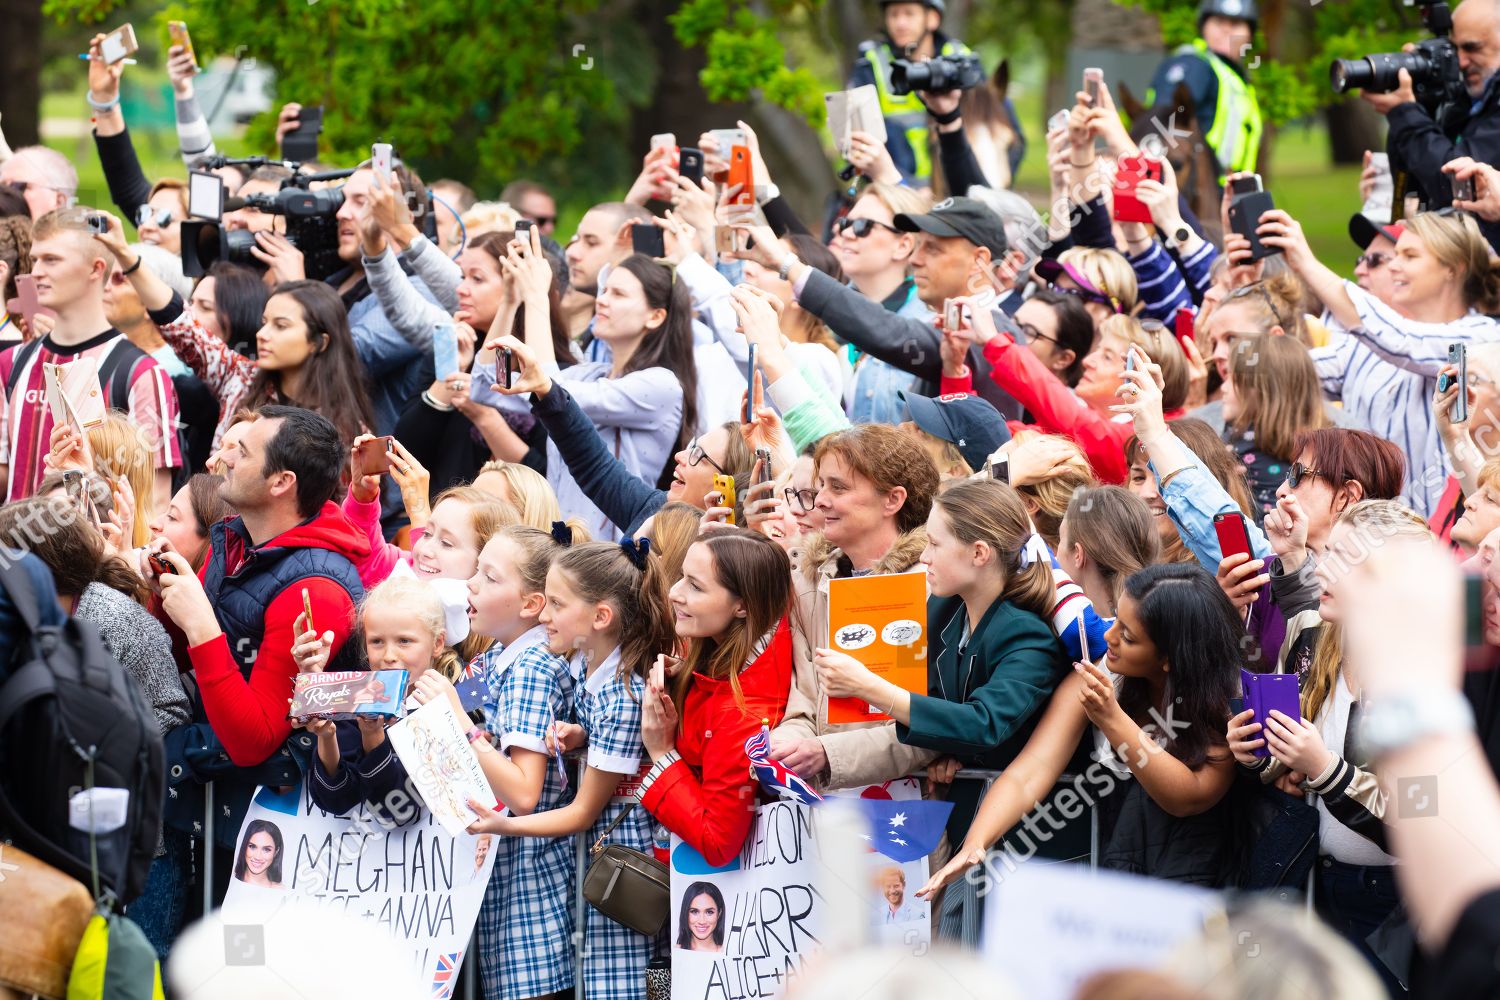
(311, 225)
(936, 75)
(1436, 79)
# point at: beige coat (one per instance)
(859, 753)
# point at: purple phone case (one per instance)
(1267, 693)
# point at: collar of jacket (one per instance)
(821, 558)
(955, 662)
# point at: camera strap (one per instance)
(946, 118)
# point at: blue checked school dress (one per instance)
(608, 708)
(525, 926)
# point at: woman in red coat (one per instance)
(731, 609)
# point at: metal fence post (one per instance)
(208, 848)
(580, 914)
(473, 969)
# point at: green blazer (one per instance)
(984, 696)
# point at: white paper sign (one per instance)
(897, 916)
(441, 763)
(416, 881)
(856, 110)
(1050, 926)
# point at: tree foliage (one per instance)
(746, 57)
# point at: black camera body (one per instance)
(936, 75)
(1437, 81)
(312, 227)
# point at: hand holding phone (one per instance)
(300, 145)
(742, 172)
(1234, 538)
(690, 165)
(1248, 202)
(1458, 357)
(649, 239)
(1093, 82)
(118, 45)
(724, 486)
(374, 455)
(380, 161)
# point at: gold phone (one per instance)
(179, 33)
(724, 485)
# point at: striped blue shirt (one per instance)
(1385, 372)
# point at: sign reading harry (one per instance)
(741, 931)
(419, 882)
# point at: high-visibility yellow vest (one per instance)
(1235, 137)
(905, 113)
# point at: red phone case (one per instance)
(741, 172)
(1132, 170)
(1232, 535)
(1183, 323)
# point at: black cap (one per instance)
(968, 422)
(973, 220)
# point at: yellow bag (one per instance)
(114, 962)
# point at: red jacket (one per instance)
(708, 797)
(249, 716)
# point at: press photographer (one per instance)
(1438, 96)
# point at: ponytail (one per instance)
(604, 573)
(983, 510)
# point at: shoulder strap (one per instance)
(18, 365)
(114, 372)
(18, 586)
(599, 844)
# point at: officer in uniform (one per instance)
(913, 30)
(1212, 66)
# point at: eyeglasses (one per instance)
(1298, 472)
(1258, 288)
(1032, 333)
(805, 499)
(696, 454)
(859, 228)
(143, 215)
(1373, 261)
(541, 220)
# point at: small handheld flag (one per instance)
(775, 777)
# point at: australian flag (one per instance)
(775, 777)
(905, 830)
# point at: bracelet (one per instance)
(427, 398)
(1074, 163)
(101, 105)
(132, 268)
(1173, 475)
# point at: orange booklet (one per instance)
(881, 621)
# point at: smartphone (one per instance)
(690, 165)
(97, 223)
(1463, 190)
(1093, 80)
(178, 32)
(726, 241)
(307, 610)
(953, 314)
(663, 139)
(1458, 357)
(380, 160)
(1249, 202)
(159, 564)
(1129, 359)
(724, 486)
(26, 301)
(763, 456)
(649, 239)
(300, 145)
(1233, 537)
(1183, 323)
(205, 195)
(375, 455)
(444, 350)
(1132, 170)
(751, 360)
(1057, 121)
(523, 231)
(508, 365)
(742, 173)
(728, 138)
(1000, 469)
(118, 45)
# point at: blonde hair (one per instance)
(1385, 518)
(1159, 345)
(1279, 392)
(1053, 494)
(536, 549)
(487, 515)
(73, 220)
(674, 527)
(985, 510)
(1489, 473)
(177, 186)
(412, 596)
(489, 217)
(897, 198)
(119, 453)
(1109, 272)
(530, 493)
(1456, 243)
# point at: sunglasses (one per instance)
(542, 220)
(1298, 472)
(1372, 260)
(162, 218)
(696, 454)
(1086, 295)
(804, 499)
(859, 228)
(1258, 289)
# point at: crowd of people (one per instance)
(1131, 459)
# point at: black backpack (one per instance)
(72, 718)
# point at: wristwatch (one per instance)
(1178, 237)
(1395, 723)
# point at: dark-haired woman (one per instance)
(228, 302)
(259, 859)
(644, 401)
(189, 514)
(700, 922)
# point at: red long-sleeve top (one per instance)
(708, 797)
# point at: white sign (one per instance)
(1051, 926)
(417, 881)
(441, 763)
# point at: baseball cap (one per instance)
(966, 217)
(1362, 230)
(968, 422)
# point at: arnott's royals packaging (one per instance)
(347, 694)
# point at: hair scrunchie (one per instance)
(562, 534)
(636, 551)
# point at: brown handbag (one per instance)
(627, 886)
(36, 955)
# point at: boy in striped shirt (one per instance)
(71, 268)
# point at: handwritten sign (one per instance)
(441, 763)
(418, 882)
(881, 621)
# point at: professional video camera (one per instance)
(311, 220)
(1436, 79)
(936, 75)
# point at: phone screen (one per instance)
(750, 362)
(444, 350)
(205, 195)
